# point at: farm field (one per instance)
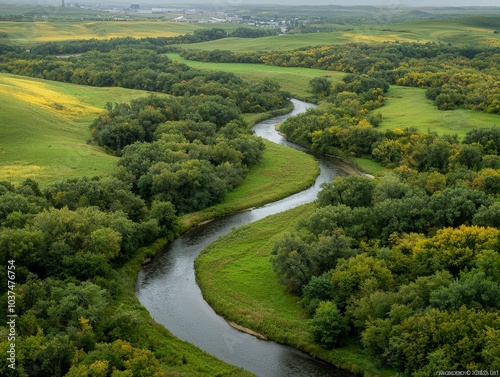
(44, 129)
(408, 107)
(292, 79)
(464, 31)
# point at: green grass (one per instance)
(466, 31)
(237, 280)
(44, 129)
(408, 107)
(28, 34)
(282, 172)
(292, 79)
(368, 165)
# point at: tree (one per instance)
(329, 327)
(320, 86)
(353, 191)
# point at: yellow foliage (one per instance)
(99, 368)
(457, 247)
(84, 323)
(40, 95)
(7, 172)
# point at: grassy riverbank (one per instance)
(282, 172)
(177, 357)
(237, 280)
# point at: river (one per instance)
(167, 287)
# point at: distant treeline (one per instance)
(454, 76)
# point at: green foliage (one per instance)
(412, 250)
(321, 87)
(472, 290)
(108, 194)
(329, 327)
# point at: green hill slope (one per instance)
(44, 129)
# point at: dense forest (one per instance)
(407, 263)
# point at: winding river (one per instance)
(167, 287)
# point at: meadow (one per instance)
(64, 26)
(292, 79)
(44, 129)
(237, 280)
(408, 107)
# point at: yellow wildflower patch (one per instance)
(19, 172)
(377, 38)
(40, 94)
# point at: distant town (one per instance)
(190, 15)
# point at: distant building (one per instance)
(134, 7)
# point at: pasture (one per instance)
(44, 129)
(28, 34)
(63, 24)
(408, 107)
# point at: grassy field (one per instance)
(408, 107)
(282, 172)
(467, 31)
(237, 280)
(31, 33)
(292, 79)
(44, 129)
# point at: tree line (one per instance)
(145, 69)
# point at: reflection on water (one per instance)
(167, 287)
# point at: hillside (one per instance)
(44, 129)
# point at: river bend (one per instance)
(167, 287)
